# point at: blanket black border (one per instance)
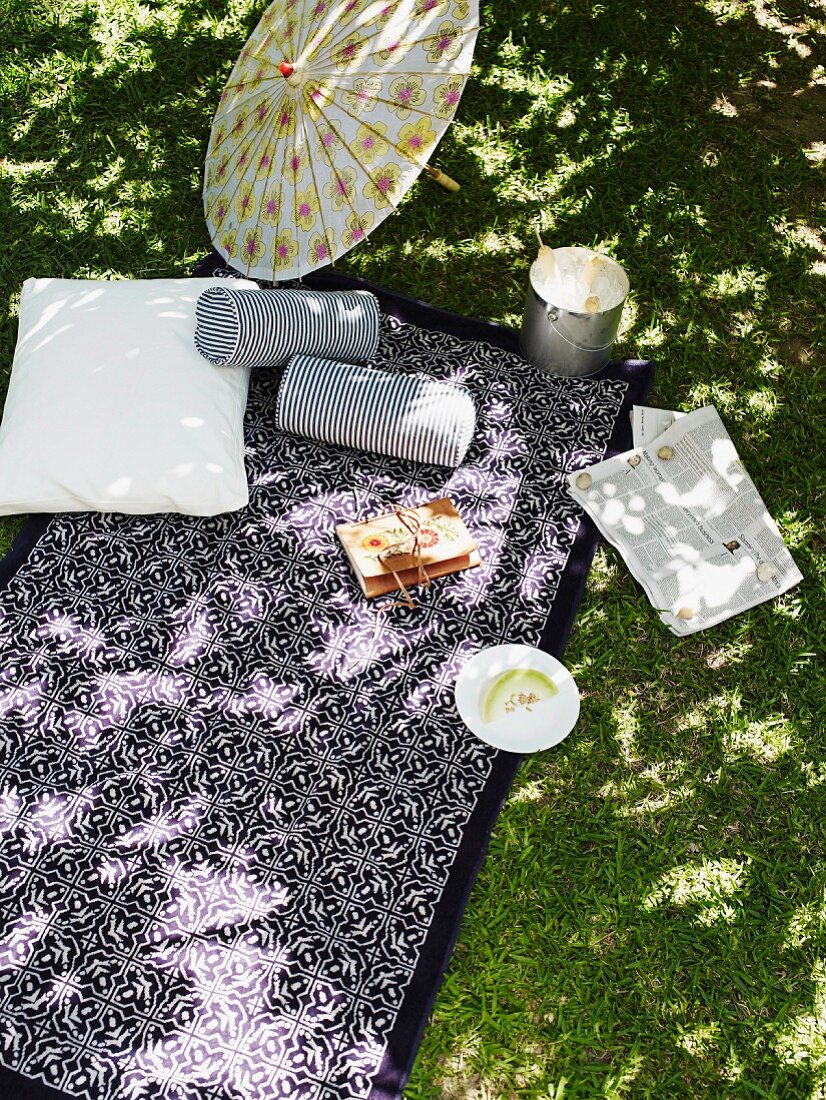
(421, 994)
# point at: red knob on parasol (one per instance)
(285, 68)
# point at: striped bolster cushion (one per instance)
(394, 414)
(265, 328)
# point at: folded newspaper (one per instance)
(687, 519)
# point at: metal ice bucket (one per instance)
(566, 343)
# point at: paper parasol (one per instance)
(328, 117)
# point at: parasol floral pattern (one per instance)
(330, 113)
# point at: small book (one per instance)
(397, 548)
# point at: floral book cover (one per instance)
(388, 550)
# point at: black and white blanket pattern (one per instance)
(227, 815)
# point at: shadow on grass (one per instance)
(103, 133)
(103, 130)
(649, 918)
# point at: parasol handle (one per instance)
(441, 178)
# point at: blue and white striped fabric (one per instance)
(407, 416)
(265, 328)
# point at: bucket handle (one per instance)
(552, 313)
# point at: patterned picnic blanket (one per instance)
(234, 825)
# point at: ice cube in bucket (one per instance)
(572, 318)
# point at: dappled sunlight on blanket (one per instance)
(168, 824)
(237, 1020)
(20, 941)
(202, 899)
(247, 786)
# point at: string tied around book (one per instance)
(406, 547)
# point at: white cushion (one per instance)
(111, 408)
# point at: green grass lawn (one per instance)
(650, 919)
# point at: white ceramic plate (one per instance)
(517, 698)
